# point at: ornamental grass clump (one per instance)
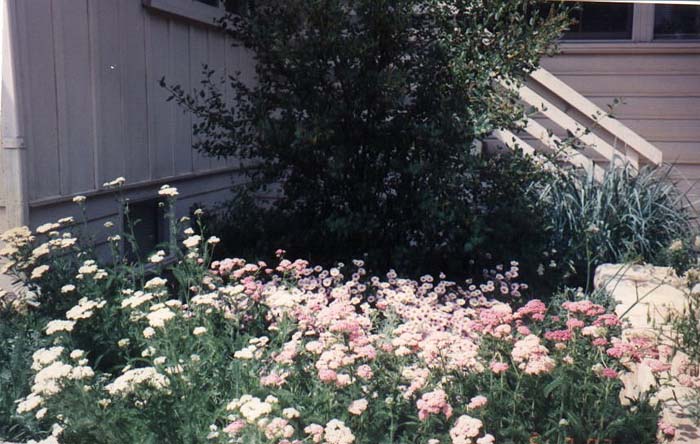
(631, 215)
(231, 351)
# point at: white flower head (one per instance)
(119, 181)
(59, 325)
(676, 245)
(77, 355)
(157, 257)
(155, 283)
(168, 191)
(39, 271)
(192, 241)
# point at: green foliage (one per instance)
(365, 113)
(145, 359)
(629, 216)
(502, 221)
(19, 337)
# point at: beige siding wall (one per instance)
(660, 88)
(94, 110)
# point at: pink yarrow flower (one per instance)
(434, 402)
(477, 402)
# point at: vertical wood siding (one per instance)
(95, 110)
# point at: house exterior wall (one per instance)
(93, 109)
(89, 107)
(659, 84)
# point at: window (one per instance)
(208, 12)
(675, 22)
(601, 21)
(234, 6)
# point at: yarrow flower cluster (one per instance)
(130, 381)
(168, 191)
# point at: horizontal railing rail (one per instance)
(629, 147)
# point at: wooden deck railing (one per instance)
(629, 146)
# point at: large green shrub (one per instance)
(502, 221)
(365, 113)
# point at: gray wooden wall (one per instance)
(94, 110)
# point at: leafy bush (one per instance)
(504, 221)
(19, 338)
(229, 351)
(629, 216)
(365, 114)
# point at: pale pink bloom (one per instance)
(584, 307)
(600, 342)
(365, 372)
(315, 431)
(666, 429)
(558, 335)
(574, 323)
(343, 380)
(274, 379)
(607, 320)
(498, 367)
(477, 402)
(465, 429)
(327, 375)
(486, 439)
(434, 402)
(358, 406)
(523, 330)
(234, 428)
(534, 309)
(278, 428)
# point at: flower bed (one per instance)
(230, 351)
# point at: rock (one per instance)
(695, 290)
(645, 295)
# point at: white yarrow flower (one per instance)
(168, 191)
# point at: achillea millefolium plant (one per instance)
(202, 351)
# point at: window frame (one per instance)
(642, 40)
(612, 40)
(664, 40)
(642, 29)
(188, 9)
